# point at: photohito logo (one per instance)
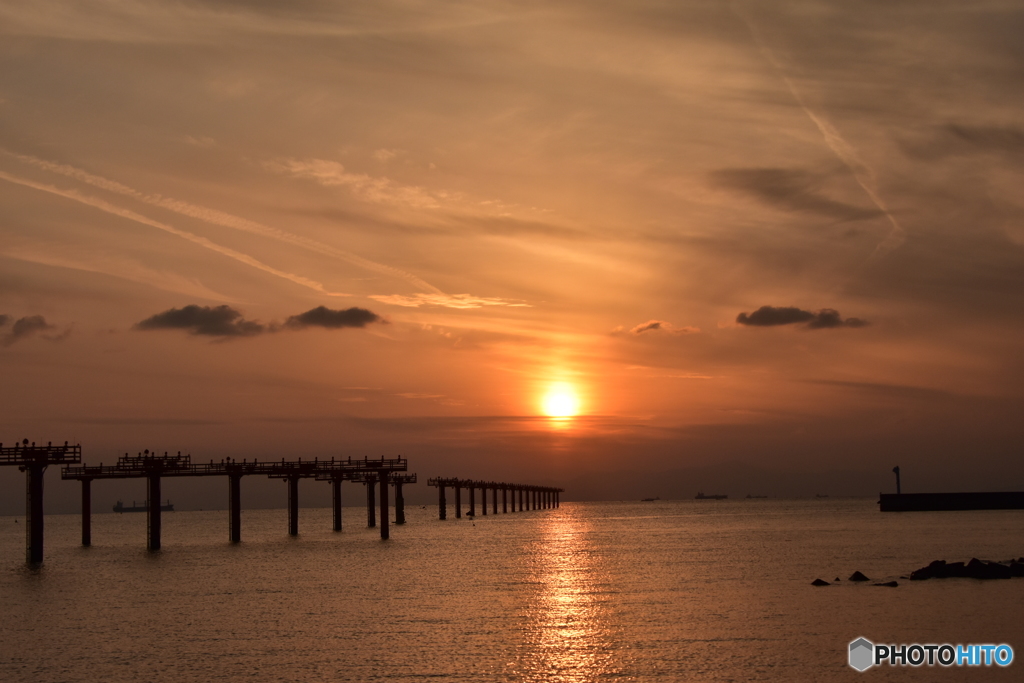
(864, 654)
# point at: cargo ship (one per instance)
(121, 507)
(712, 496)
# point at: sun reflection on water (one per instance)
(571, 639)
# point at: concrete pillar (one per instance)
(384, 531)
(504, 500)
(483, 500)
(371, 508)
(153, 512)
(293, 505)
(558, 498)
(34, 513)
(336, 500)
(458, 502)
(399, 504)
(235, 508)
(442, 504)
(87, 512)
(472, 501)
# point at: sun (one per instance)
(560, 401)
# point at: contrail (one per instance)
(862, 173)
(196, 239)
(224, 219)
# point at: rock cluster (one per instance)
(856, 577)
(975, 569)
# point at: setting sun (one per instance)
(560, 401)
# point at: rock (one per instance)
(820, 582)
(838, 579)
(890, 584)
(857, 576)
(1017, 568)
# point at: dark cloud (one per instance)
(771, 316)
(955, 139)
(220, 321)
(4, 319)
(648, 326)
(790, 190)
(27, 326)
(321, 316)
(224, 321)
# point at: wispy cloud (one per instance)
(773, 316)
(222, 218)
(445, 300)
(791, 190)
(380, 190)
(103, 205)
(662, 326)
(862, 173)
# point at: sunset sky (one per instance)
(760, 247)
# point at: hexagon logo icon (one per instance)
(862, 654)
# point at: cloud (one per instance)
(103, 205)
(225, 321)
(380, 190)
(27, 326)
(219, 321)
(446, 300)
(661, 326)
(771, 316)
(791, 190)
(955, 139)
(322, 316)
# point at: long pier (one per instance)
(154, 467)
(33, 461)
(530, 497)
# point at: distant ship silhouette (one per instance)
(712, 496)
(121, 507)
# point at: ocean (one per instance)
(620, 591)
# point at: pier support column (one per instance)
(442, 504)
(399, 504)
(371, 508)
(483, 500)
(153, 512)
(336, 499)
(494, 509)
(472, 501)
(293, 506)
(458, 502)
(34, 513)
(504, 500)
(520, 492)
(384, 530)
(235, 508)
(557, 499)
(87, 512)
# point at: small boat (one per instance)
(121, 507)
(750, 496)
(711, 496)
(821, 495)
(648, 500)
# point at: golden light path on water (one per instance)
(573, 637)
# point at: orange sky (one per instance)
(754, 241)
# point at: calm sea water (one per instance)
(662, 591)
